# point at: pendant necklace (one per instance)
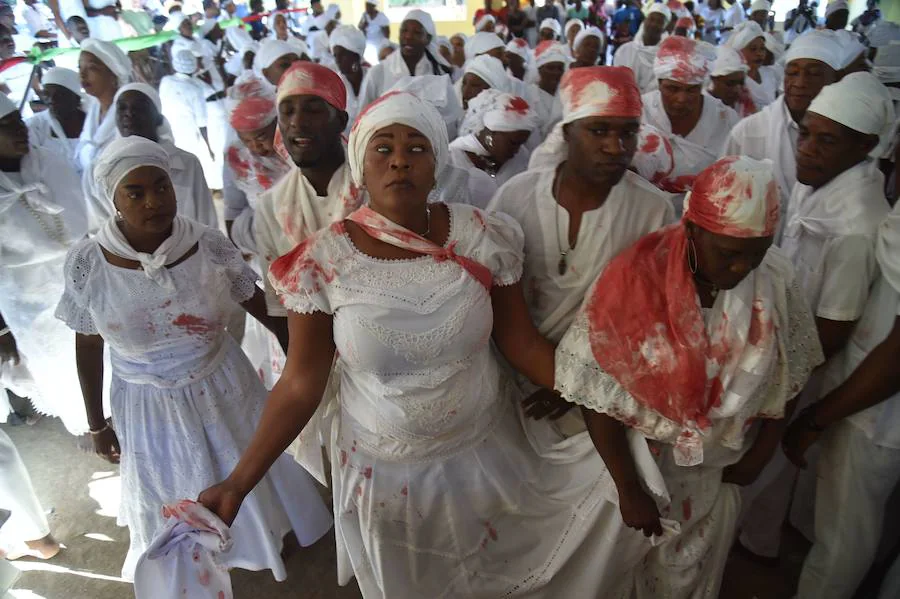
(562, 265)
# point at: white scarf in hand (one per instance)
(185, 234)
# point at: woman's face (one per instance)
(755, 53)
(503, 145)
(413, 39)
(588, 51)
(550, 75)
(472, 85)
(13, 136)
(96, 78)
(728, 87)
(186, 29)
(260, 141)
(547, 34)
(516, 65)
(726, 261)
(680, 100)
(347, 61)
(274, 71)
(280, 26)
(399, 168)
(146, 199)
(61, 101)
(137, 115)
(572, 33)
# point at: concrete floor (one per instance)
(81, 491)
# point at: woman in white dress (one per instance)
(491, 142)
(158, 288)
(42, 214)
(436, 490)
(698, 338)
(348, 45)
(749, 39)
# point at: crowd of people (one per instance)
(568, 307)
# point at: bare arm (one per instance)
(57, 17)
(833, 334)
(518, 339)
(291, 404)
(89, 362)
(256, 307)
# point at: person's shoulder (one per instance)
(517, 188)
(651, 197)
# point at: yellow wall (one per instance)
(352, 10)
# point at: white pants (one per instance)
(27, 521)
(855, 480)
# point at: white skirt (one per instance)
(177, 442)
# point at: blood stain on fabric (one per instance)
(194, 325)
(686, 509)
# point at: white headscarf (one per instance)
(883, 33)
(490, 70)
(483, 22)
(112, 56)
(206, 27)
(119, 158)
(585, 33)
(773, 45)
(683, 60)
(887, 64)
(424, 19)
(743, 34)
(397, 108)
(551, 24)
(662, 9)
(728, 61)
(834, 6)
(348, 37)
(7, 106)
(760, 5)
(498, 111)
(519, 47)
(547, 52)
(164, 130)
(816, 44)
(850, 45)
(271, 50)
(482, 42)
(434, 90)
(858, 101)
(184, 62)
(572, 23)
(238, 38)
(66, 78)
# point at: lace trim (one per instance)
(73, 305)
(223, 252)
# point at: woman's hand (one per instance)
(106, 445)
(545, 403)
(224, 499)
(639, 511)
(9, 351)
(797, 440)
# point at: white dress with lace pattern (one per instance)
(437, 492)
(185, 400)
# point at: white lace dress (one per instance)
(437, 492)
(185, 400)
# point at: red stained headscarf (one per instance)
(655, 344)
(599, 91)
(251, 105)
(310, 79)
(684, 60)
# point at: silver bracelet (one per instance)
(4, 331)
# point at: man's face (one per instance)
(601, 148)
(654, 25)
(804, 78)
(309, 128)
(680, 99)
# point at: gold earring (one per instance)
(693, 263)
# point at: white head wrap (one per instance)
(728, 61)
(483, 21)
(184, 62)
(599, 91)
(401, 108)
(858, 101)
(745, 33)
(547, 52)
(271, 50)
(760, 5)
(327, 16)
(662, 9)
(122, 156)
(238, 38)
(498, 111)
(883, 33)
(164, 130)
(461, 36)
(773, 45)
(551, 24)
(434, 90)
(834, 6)
(424, 19)
(821, 45)
(684, 60)
(112, 56)
(585, 33)
(349, 38)
(572, 23)
(63, 77)
(175, 20)
(850, 46)
(481, 42)
(250, 103)
(519, 47)
(206, 27)
(887, 64)
(490, 70)
(7, 106)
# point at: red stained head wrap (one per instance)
(310, 79)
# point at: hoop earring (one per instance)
(489, 140)
(119, 216)
(693, 263)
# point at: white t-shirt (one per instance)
(373, 27)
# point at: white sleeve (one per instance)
(849, 271)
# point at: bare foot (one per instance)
(45, 548)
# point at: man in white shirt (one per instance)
(638, 55)
(377, 28)
(811, 62)
(578, 211)
(39, 19)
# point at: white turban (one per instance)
(184, 62)
(547, 52)
(743, 34)
(349, 38)
(858, 101)
(887, 64)
(112, 56)
(435, 90)
(483, 21)
(163, 130)
(124, 155)
(206, 27)
(585, 33)
(481, 42)
(422, 18)
(760, 5)
(773, 45)
(238, 37)
(821, 45)
(883, 33)
(498, 111)
(175, 20)
(250, 103)
(728, 61)
(850, 47)
(519, 47)
(551, 24)
(684, 60)
(328, 16)
(7, 106)
(490, 70)
(572, 23)
(397, 108)
(63, 77)
(662, 9)
(271, 50)
(834, 6)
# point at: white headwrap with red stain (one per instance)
(599, 91)
(251, 104)
(684, 60)
(498, 111)
(550, 51)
